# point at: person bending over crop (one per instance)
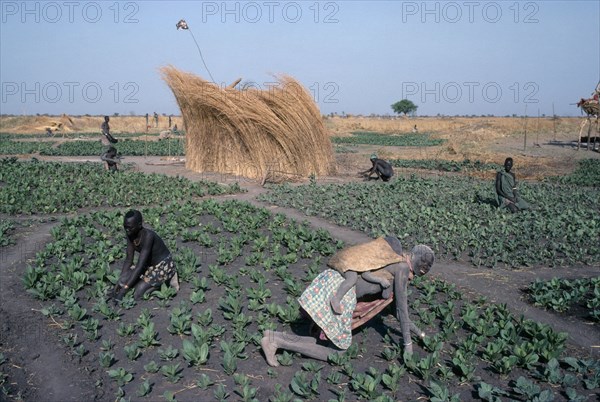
(110, 159)
(506, 189)
(316, 299)
(368, 261)
(154, 266)
(380, 167)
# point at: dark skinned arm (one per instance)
(515, 192)
(147, 241)
(371, 170)
(350, 278)
(400, 293)
(129, 256)
(120, 290)
(498, 183)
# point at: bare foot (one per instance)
(335, 305)
(269, 348)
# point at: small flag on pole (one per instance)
(182, 25)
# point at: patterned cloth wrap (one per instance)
(315, 301)
(160, 273)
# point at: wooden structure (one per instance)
(591, 108)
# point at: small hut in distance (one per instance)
(251, 132)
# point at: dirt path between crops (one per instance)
(39, 370)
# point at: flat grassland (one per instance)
(541, 146)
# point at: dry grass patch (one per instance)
(251, 133)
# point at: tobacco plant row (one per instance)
(586, 174)
(125, 146)
(459, 219)
(71, 135)
(398, 140)
(8, 147)
(6, 228)
(443, 165)
(48, 187)
(562, 295)
(241, 270)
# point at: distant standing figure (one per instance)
(381, 168)
(49, 132)
(175, 129)
(146, 121)
(155, 119)
(107, 138)
(506, 189)
(170, 121)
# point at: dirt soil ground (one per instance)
(40, 371)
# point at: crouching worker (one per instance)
(380, 168)
(110, 159)
(319, 299)
(506, 189)
(154, 266)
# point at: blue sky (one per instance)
(357, 57)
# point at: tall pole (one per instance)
(182, 24)
(525, 129)
(537, 139)
(554, 121)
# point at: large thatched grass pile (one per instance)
(254, 133)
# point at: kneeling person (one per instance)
(154, 266)
(506, 189)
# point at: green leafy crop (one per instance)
(125, 147)
(47, 187)
(443, 165)
(561, 295)
(398, 140)
(166, 346)
(458, 218)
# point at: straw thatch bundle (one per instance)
(252, 133)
